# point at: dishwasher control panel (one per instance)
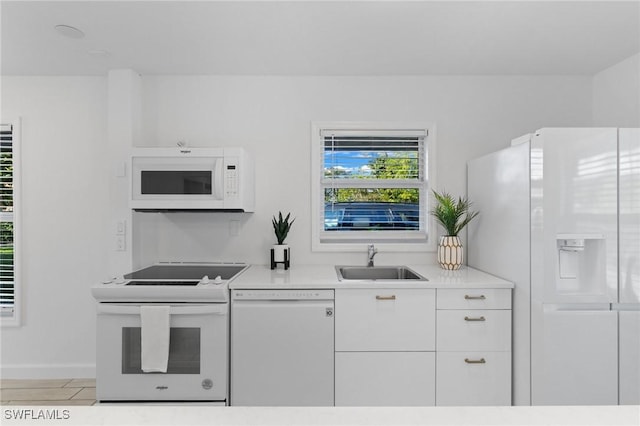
(289, 294)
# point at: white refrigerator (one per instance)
(560, 217)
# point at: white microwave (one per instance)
(192, 179)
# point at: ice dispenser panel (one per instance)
(581, 264)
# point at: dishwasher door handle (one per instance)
(283, 303)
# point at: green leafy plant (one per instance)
(281, 227)
(451, 214)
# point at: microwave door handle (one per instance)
(218, 178)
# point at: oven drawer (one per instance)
(197, 366)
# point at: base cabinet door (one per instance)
(385, 379)
(473, 378)
(385, 319)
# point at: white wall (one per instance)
(271, 116)
(616, 95)
(68, 241)
(65, 195)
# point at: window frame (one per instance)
(399, 241)
(14, 319)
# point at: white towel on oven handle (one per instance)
(154, 351)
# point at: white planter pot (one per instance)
(278, 252)
(450, 252)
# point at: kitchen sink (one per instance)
(382, 273)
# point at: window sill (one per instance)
(9, 322)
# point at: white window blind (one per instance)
(7, 230)
(373, 185)
(388, 155)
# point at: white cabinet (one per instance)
(385, 378)
(474, 330)
(473, 378)
(393, 347)
(385, 319)
(416, 347)
(473, 362)
(385, 343)
(484, 298)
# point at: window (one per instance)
(370, 185)
(8, 224)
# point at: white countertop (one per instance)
(324, 276)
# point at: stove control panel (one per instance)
(206, 281)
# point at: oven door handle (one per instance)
(190, 309)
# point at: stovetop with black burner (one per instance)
(189, 271)
(180, 282)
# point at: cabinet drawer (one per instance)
(473, 378)
(482, 298)
(474, 330)
(385, 319)
(385, 379)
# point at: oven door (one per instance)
(198, 366)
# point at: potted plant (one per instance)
(281, 227)
(453, 216)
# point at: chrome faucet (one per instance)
(371, 251)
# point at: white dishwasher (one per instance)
(282, 347)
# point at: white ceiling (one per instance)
(319, 38)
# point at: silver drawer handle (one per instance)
(481, 297)
(474, 319)
(475, 361)
(392, 297)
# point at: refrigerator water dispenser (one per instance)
(581, 264)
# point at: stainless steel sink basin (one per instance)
(381, 273)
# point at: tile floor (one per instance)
(48, 392)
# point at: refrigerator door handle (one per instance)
(625, 306)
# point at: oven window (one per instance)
(176, 182)
(184, 351)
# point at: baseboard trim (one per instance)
(48, 371)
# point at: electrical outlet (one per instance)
(121, 227)
(121, 244)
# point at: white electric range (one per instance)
(172, 282)
(194, 298)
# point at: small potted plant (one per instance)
(453, 216)
(281, 227)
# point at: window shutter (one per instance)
(7, 270)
